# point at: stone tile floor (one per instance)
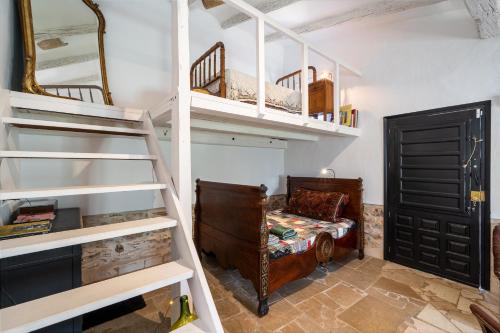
(352, 296)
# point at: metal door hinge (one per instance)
(477, 196)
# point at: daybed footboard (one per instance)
(230, 222)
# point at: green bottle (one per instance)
(186, 315)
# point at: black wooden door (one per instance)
(434, 161)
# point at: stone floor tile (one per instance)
(357, 278)
(300, 290)
(344, 295)
(443, 291)
(471, 294)
(282, 313)
(432, 316)
(293, 327)
(464, 304)
(227, 307)
(419, 326)
(467, 319)
(309, 325)
(241, 323)
(368, 316)
(396, 287)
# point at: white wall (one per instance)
(7, 39)
(408, 65)
(239, 41)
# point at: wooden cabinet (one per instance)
(321, 97)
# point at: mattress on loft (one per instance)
(243, 87)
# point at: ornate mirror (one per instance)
(63, 49)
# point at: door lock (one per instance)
(477, 196)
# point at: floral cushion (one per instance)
(326, 206)
(307, 229)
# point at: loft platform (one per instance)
(218, 114)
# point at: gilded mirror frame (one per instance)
(30, 84)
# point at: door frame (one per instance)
(485, 236)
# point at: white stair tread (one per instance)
(190, 328)
(68, 106)
(76, 190)
(69, 155)
(75, 127)
(46, 311)
(19, 246)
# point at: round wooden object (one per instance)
(324, 247)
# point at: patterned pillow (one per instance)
(326, 206)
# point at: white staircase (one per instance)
(185, 271)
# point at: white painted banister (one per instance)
(336, 94)
(305, 81)
(261, 66)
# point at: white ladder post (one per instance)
(261, 66)
(181, 117)
(305, 81)
(180, 156)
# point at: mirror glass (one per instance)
(67, 49)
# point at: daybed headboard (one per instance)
(225, 203)
(353, 187)
(294, 79)
(210, 68)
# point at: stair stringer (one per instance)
(183, 243)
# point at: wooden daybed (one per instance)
(210, 75)
(230, 223)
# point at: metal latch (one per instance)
(477, 196)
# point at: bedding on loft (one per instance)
(209, 75)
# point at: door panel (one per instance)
(432, 163)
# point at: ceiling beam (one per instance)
(486, 13)
(266, 6)
(376, 9)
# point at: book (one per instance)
(24, 229)
(348, 116)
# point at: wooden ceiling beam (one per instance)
(486, 13)
(266, 6)
(376, 9)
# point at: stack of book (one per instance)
(33, 218)
(348, 116)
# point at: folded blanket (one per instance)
(283, 232)
(273, 240)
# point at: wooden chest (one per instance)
(321, 97)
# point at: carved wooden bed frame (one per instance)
(297, 74)
(211, 66)
(230, 222)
